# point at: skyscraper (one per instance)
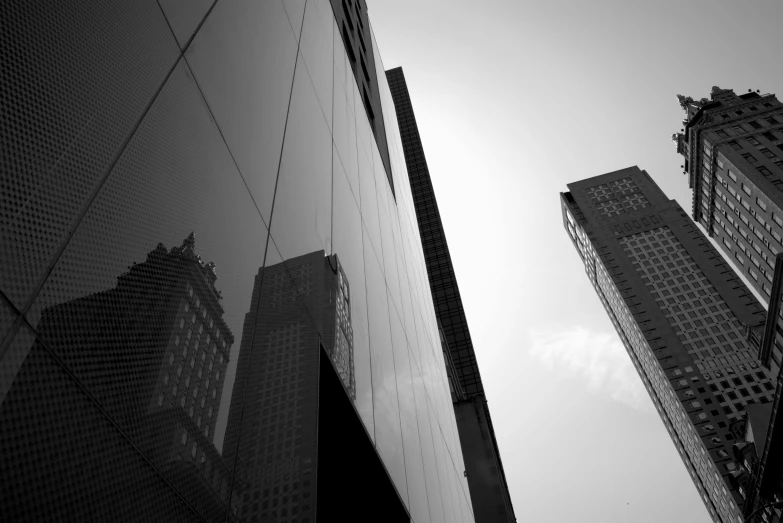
(486, 478)
(682, 314)
(733, 151)
(268, 129)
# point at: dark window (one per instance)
(755, 124)
(771, 120)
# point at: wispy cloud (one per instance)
(596, 358)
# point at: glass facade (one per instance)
(200, 236)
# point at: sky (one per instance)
(515, 99)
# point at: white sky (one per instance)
(514, 100)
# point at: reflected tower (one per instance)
(299, 308)
(152, 352)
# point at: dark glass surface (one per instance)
(243, 58)
(117, 306)
(302, 216)
(76, 79)
(168, 361)
(184, 16)
(71, 455)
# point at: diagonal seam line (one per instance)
(266, 250)
(93, 195)
(108, 417)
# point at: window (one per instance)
(736, 146)
(754, 124)
(732, 176)
(761, 204)
(771, 120)
(184, 438)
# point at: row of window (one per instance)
(657, 251)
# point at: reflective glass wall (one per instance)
(195, 219)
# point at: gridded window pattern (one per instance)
(610, 208)
(617, 197)
(705, 325)
(688, 439)
(708, 329)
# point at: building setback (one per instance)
(681, 313)
(484, 468)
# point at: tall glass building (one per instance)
(682, 314)
(214, 304)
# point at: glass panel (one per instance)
(388, 437)
(295, 11)
(302, 216)
(184, 16)
(272, 423)
(243, 58)
(369, 202)
(165, 254)
(77, 89)
(347, 229)
(316, 47)
(344, 119)
(443, 471)
(414, 472)
(387, 212)
(56, 444)
(425, 418)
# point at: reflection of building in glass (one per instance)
(152, 352)
(682, 315)
(484, 469)
(297, 306)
